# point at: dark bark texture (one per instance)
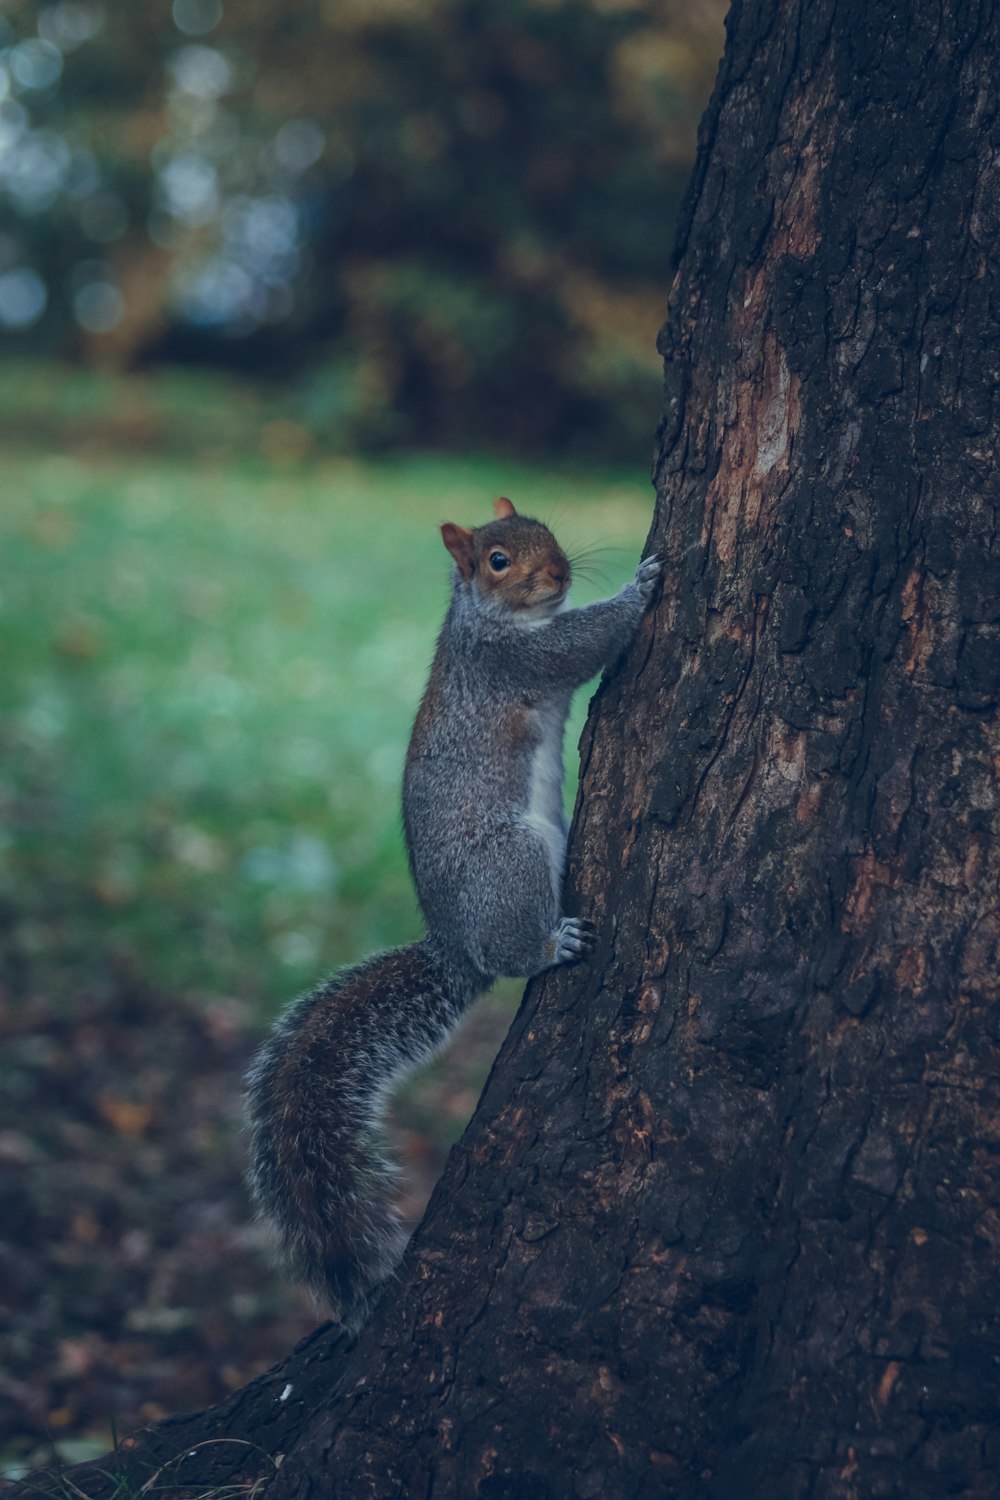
(726, 1221)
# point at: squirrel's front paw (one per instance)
(572, 939)
(647, 576)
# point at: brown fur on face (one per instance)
(538, 571)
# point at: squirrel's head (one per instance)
(512, 561)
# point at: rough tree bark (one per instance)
(726, 1220)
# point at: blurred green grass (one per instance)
(215, 638)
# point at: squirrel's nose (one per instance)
(557, 572)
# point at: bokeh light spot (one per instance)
(70, 23)
(202, 72)
(196, 17)
(299, 144)
(190, 185)
(36, 63)
(99, 307)
(35, 172)
(22, 297)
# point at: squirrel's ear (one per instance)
(502, 508)
(458, 540)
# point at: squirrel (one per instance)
(486, 836)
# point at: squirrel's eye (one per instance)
(498, 561)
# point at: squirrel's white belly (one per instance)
(544, 812)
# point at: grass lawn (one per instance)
(215, 638)
(211, 663)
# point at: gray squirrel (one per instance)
(486, 838)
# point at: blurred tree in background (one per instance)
(442, 222)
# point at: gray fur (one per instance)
(485, 835)
(316, 1097)
(484, 871)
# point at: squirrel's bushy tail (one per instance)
(316, 1095)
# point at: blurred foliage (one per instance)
(214, 642)
(448, 221)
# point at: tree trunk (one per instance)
(726, 1220)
